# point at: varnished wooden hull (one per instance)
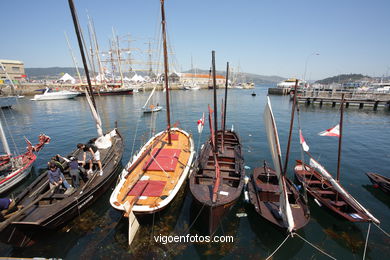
(325, 194)
(265, 196)
(381, 181)
(202, 180)
(135, 172)
(54, 210)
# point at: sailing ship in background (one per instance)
(324, 188)
(153, 177)
(14, 168)
(41, 207)
(273, 195)
(217, 178)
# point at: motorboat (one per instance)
(49, 95)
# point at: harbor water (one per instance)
(101, 232)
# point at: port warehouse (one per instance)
(14, 69)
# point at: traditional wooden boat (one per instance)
(272, 194)
(379, 181)
(13, 169)
(264, 194)
(324, 188)
(40, 208)
(153, 177)
(218, 176)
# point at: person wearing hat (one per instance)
(74, 169)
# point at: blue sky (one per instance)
(267, 37)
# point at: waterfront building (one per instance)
(15, 70)
(201, 79)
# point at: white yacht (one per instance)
(48, 95)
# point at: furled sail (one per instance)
(273, 142)
(348, 197)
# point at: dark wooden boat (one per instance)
(264, 194)
(272, 194)
(231, 180)
(111, 92)
(38, 208)
(324, 192)
(379, 181)
(324, 188)
(218, 176)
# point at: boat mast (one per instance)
(73, 57)
(291, 127)
(77, 29)
(226, 89)
(341, 137)
(164, 36)
(215, 103)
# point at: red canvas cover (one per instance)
(174, 137)
(153, 188)
(166, 160)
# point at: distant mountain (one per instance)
(248, 77)
(343, 78)
(57, 72)
(51, 73)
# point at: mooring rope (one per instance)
(319, 249)
(292, 235)
(276, 250)
(365, 246)
(384, 232)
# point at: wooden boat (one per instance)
(379, 181)
(324, 188)
(39, 208)
(218, 176)
(231, 180)
(264, 194)
(272, 194)
(153, 177)
(13, 169)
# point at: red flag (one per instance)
(305, 147)
(201, 124)
(334, 131)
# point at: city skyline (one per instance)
(279, 38)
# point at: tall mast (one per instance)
(215, 103)
(164, 35)
(77, 29)
(341, 136)
(226, 89)
(101, 70)
(74, 59)
(118, 54)
(291, 127)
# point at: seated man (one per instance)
(74, 170)
(56, 177)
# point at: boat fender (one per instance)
(247, 167)
(318, 203)
(241, 215)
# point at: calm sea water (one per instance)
(100, 232)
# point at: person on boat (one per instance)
(74, 169)
(56, 177)
(6, 203)
(91, 148)
(56, 160)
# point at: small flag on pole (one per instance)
(334, 131)
(201, 124)
(305, 147)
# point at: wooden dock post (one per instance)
(321, 103)
(308, 101)
(333, 104)
(376, 105)
(347, 104)
(361, 105)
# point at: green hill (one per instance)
(343, 78)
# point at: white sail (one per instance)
(273, 142)
(4, 140)
(150, 96)
(95, 115)
(348, 197)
